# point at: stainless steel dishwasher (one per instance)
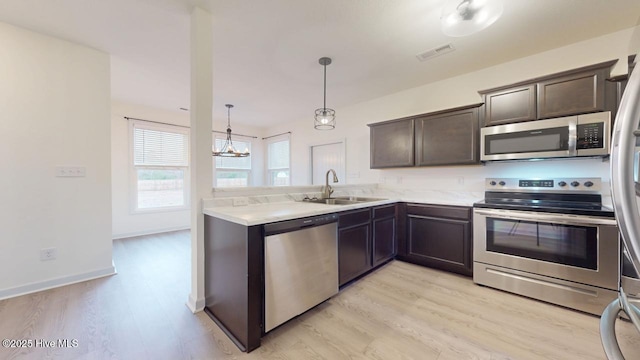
(300, 266)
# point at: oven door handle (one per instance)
(581, 220)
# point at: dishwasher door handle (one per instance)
(297, 224)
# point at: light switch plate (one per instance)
(240, 202)
(48, 254)
(71, 171)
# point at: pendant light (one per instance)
(325, 118)
(466, 17)
(228, 150)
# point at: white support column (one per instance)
(201, 141)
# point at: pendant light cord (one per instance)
(324, 104)
(324, 118)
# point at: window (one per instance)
(278, 171)
(160, 166)
(233, 171)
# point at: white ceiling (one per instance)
(266, 51)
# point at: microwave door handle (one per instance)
(573, 136)
(548, 218)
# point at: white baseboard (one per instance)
(57, 282)
(148, 232)
(195, 305)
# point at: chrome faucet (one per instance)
(327, 190)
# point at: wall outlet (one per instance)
(71, 171)
(240, 202)
(48, 254)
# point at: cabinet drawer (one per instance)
(354, 218)
(451, 212)
(384, 211)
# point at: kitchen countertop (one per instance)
(267, 213)
(263, 213)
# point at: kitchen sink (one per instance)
(343, 200)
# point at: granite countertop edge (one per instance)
(259, 214)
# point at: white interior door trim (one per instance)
(343, 144)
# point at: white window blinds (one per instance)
(154, 147)
(278, 154)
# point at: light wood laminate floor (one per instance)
(401, 311)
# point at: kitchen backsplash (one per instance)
(267, 195)
(442, 185)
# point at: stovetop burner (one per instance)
(578, 196)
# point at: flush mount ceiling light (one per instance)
(228, 150)
(466, 17)
(325, 118)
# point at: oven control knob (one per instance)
(588, 184)
(502, 183)
(575, 183)
(492, 183)
(562, 183)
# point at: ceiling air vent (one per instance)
(435, 52)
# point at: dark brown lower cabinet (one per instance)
(384, 234)
(234, 270)
(439, 236)
(366, 239)
(354, 250)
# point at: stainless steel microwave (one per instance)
(571, 136)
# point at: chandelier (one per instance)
(466, 17)
(325, 118)
(228, 150)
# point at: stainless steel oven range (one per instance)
(550, 239)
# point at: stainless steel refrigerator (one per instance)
(625, 192)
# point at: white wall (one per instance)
(54, 111)
(127, 223)
(453, 92)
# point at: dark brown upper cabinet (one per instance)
(392, 144)
(572, 92)
(511, 105)
(615, 86)
(448, 137)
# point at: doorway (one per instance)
(325, 157)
